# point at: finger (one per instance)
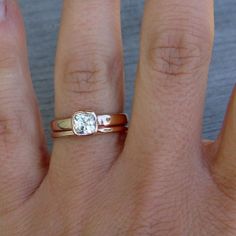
(21, 136)
(176, 47)
(88, 77)
(227, 137)
(224, 162)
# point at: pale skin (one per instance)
(162, 179)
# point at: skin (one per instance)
(162, 179)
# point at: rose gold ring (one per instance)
(84, 123)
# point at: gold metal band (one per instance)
(104, 130)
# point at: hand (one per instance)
(160, 180)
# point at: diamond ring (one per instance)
(85, 123)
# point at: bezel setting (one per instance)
(84, 123)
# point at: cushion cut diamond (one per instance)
(84, 123)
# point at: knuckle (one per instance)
(12, 130)
(180, 52)
(177, 55)
(8, 58)
(10, 125)
(90, 73)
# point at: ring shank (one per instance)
(103, 130)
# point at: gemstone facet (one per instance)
(84, 123)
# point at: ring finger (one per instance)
(88, 76)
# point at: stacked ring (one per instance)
(85, 123)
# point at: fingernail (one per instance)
(2, 10)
